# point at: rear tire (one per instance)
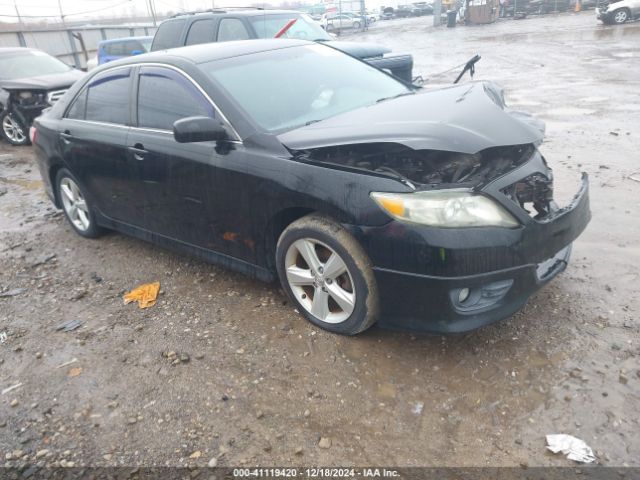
(76, 206)
(14, 130)
(328, 275)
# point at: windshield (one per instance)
(305, 28)
(29, 63)
(290, 87)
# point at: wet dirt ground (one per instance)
(257, 385)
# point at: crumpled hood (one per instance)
(44, 82)
(464, 118)
(359, 49)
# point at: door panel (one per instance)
(97, 156)
(93, 143)
(191, 189)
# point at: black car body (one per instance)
(30, 81)
(221, 25)
(234, 201)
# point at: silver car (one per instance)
(618, 11)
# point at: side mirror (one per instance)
(198, 129)
(136, 52)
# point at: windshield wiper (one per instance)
(390, 171)
(395, 96)
(310, 122)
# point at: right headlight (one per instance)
(445, 209)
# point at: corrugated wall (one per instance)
(65, 43)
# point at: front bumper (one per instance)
(422, 271)
(429, 304)
(30, 112)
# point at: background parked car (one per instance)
(618, 11)
(424, 8)
(114, 49)
(30, 81)
(372, 17)
(365, 19)
(222, 26)
(341, 22)
(387, 13)
(404, 11)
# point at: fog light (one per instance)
(470, 300)
(463, 295)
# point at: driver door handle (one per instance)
(138, 151)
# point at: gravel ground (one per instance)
(223, 368)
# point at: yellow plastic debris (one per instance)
(145, 295)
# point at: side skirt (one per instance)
(208, 256)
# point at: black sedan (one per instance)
(370, 200)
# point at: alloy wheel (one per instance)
(620, 17)
(320, 280)
(13, 130)
(75, 206)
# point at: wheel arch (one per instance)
(276, 225)
(53, 173)
(626, 9)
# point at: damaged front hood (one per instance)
(465, 119)
(44, 82)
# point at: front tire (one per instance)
(14, 130)
(620, 16)
(328, 275)
(76, 206)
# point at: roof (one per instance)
(4, 50)
(125, 39)
(208, 52)
(240, 13)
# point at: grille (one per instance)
(534, 194)
(54, 96)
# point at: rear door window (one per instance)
(165, 96)
(200, 31)
(168, 35)
(78, 108)
(108, 97)
(114, 49)
(133, 46)
(232, 29)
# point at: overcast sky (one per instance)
(76, 9)
(86, 9)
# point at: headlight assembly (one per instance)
(445, 209)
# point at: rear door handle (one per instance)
(138, 151)
(66, 137)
